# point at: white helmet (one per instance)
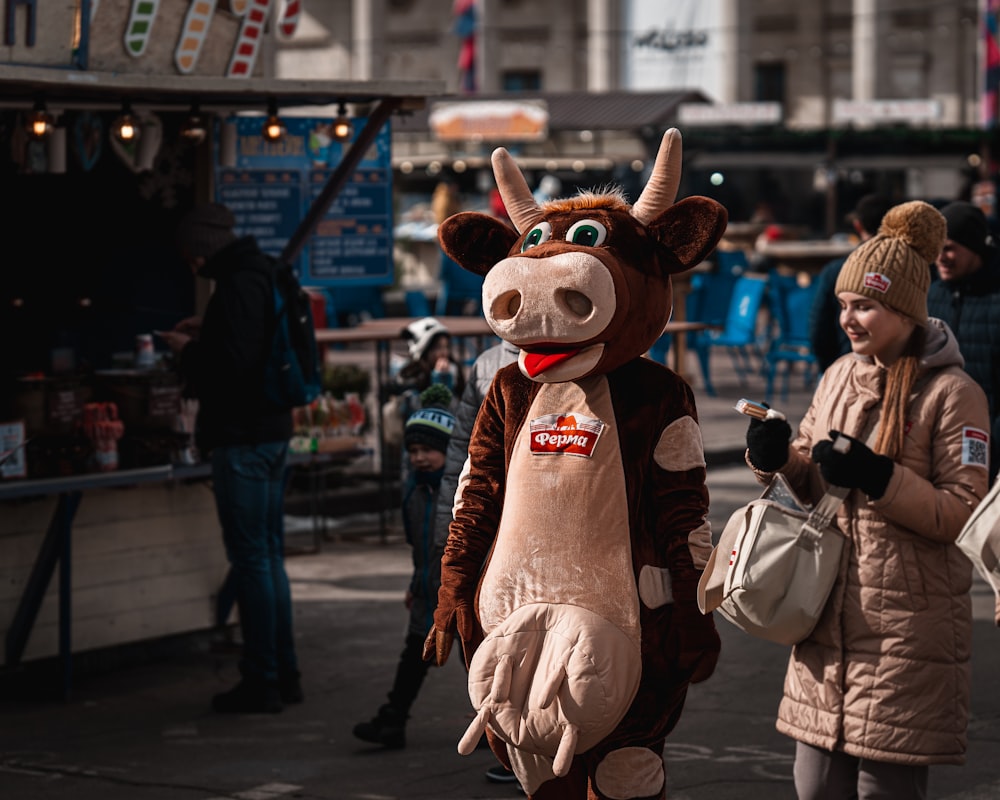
(420, 333)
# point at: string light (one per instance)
(40, 122)
(274, 129)
(126, 128)
(194, 129)
(343, 129)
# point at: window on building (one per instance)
(838, 22)
(524, 80)
(769, 82)
(908, 76)
(775, 23)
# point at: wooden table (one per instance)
(678, 345)
(382, 331)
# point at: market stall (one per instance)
(97, 454)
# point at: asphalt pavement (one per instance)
(139, 725)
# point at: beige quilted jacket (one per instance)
(886, 674)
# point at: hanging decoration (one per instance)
(139, 153)
(288, 18)
(172, 177)
(248, 42)
(254, 16)
(465, 27)
(88, 139)
(193, 35)
(140, 25)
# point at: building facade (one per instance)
(859, 95)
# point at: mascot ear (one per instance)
(690, 229)
(476, 241)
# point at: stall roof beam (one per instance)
(67, 88)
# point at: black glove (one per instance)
(858, 468)
(767, 442)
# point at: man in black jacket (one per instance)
(223, 358)
(967, 297)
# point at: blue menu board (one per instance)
(273, 184)
(266, 203)
(354, 238)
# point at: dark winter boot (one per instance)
(290, 686)
(388, 728)
(249, 696)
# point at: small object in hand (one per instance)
(757, 410)
(856, 467)
(841, 444)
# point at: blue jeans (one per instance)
(249, 486)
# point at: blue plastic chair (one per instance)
(790, 307)
(707, 300)
(739, 332)
(461, 291)
(732, 262)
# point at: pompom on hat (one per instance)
(433, 424)
(893, 267)
(420, 334)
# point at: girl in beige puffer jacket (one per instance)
(880, 689)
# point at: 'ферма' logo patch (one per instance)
(565, 434)
(877, 281)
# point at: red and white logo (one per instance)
(877, 281)
(565, 434)
(975, 447)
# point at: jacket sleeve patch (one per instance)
(655, 586)
(975, 447)
(680, 447)
(700, 544)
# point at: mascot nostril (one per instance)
(580, 524)
(577, 303)
(506, 306)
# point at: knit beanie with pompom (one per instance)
(893, 267)
(433, 424)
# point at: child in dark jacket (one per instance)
(425, 438)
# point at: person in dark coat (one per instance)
(425, 438)
(967, 297)
(223, 359)
(828, 340)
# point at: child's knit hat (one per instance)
(893, 267)
(431, 425)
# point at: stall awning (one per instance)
(67, 89)
(578, 111)
(61, 88)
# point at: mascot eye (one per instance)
(587, 233)
(540, 234)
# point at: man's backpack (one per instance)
(292, 373)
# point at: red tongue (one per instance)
(537, 363)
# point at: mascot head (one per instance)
(583, 285)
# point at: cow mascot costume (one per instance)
(580, 525)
